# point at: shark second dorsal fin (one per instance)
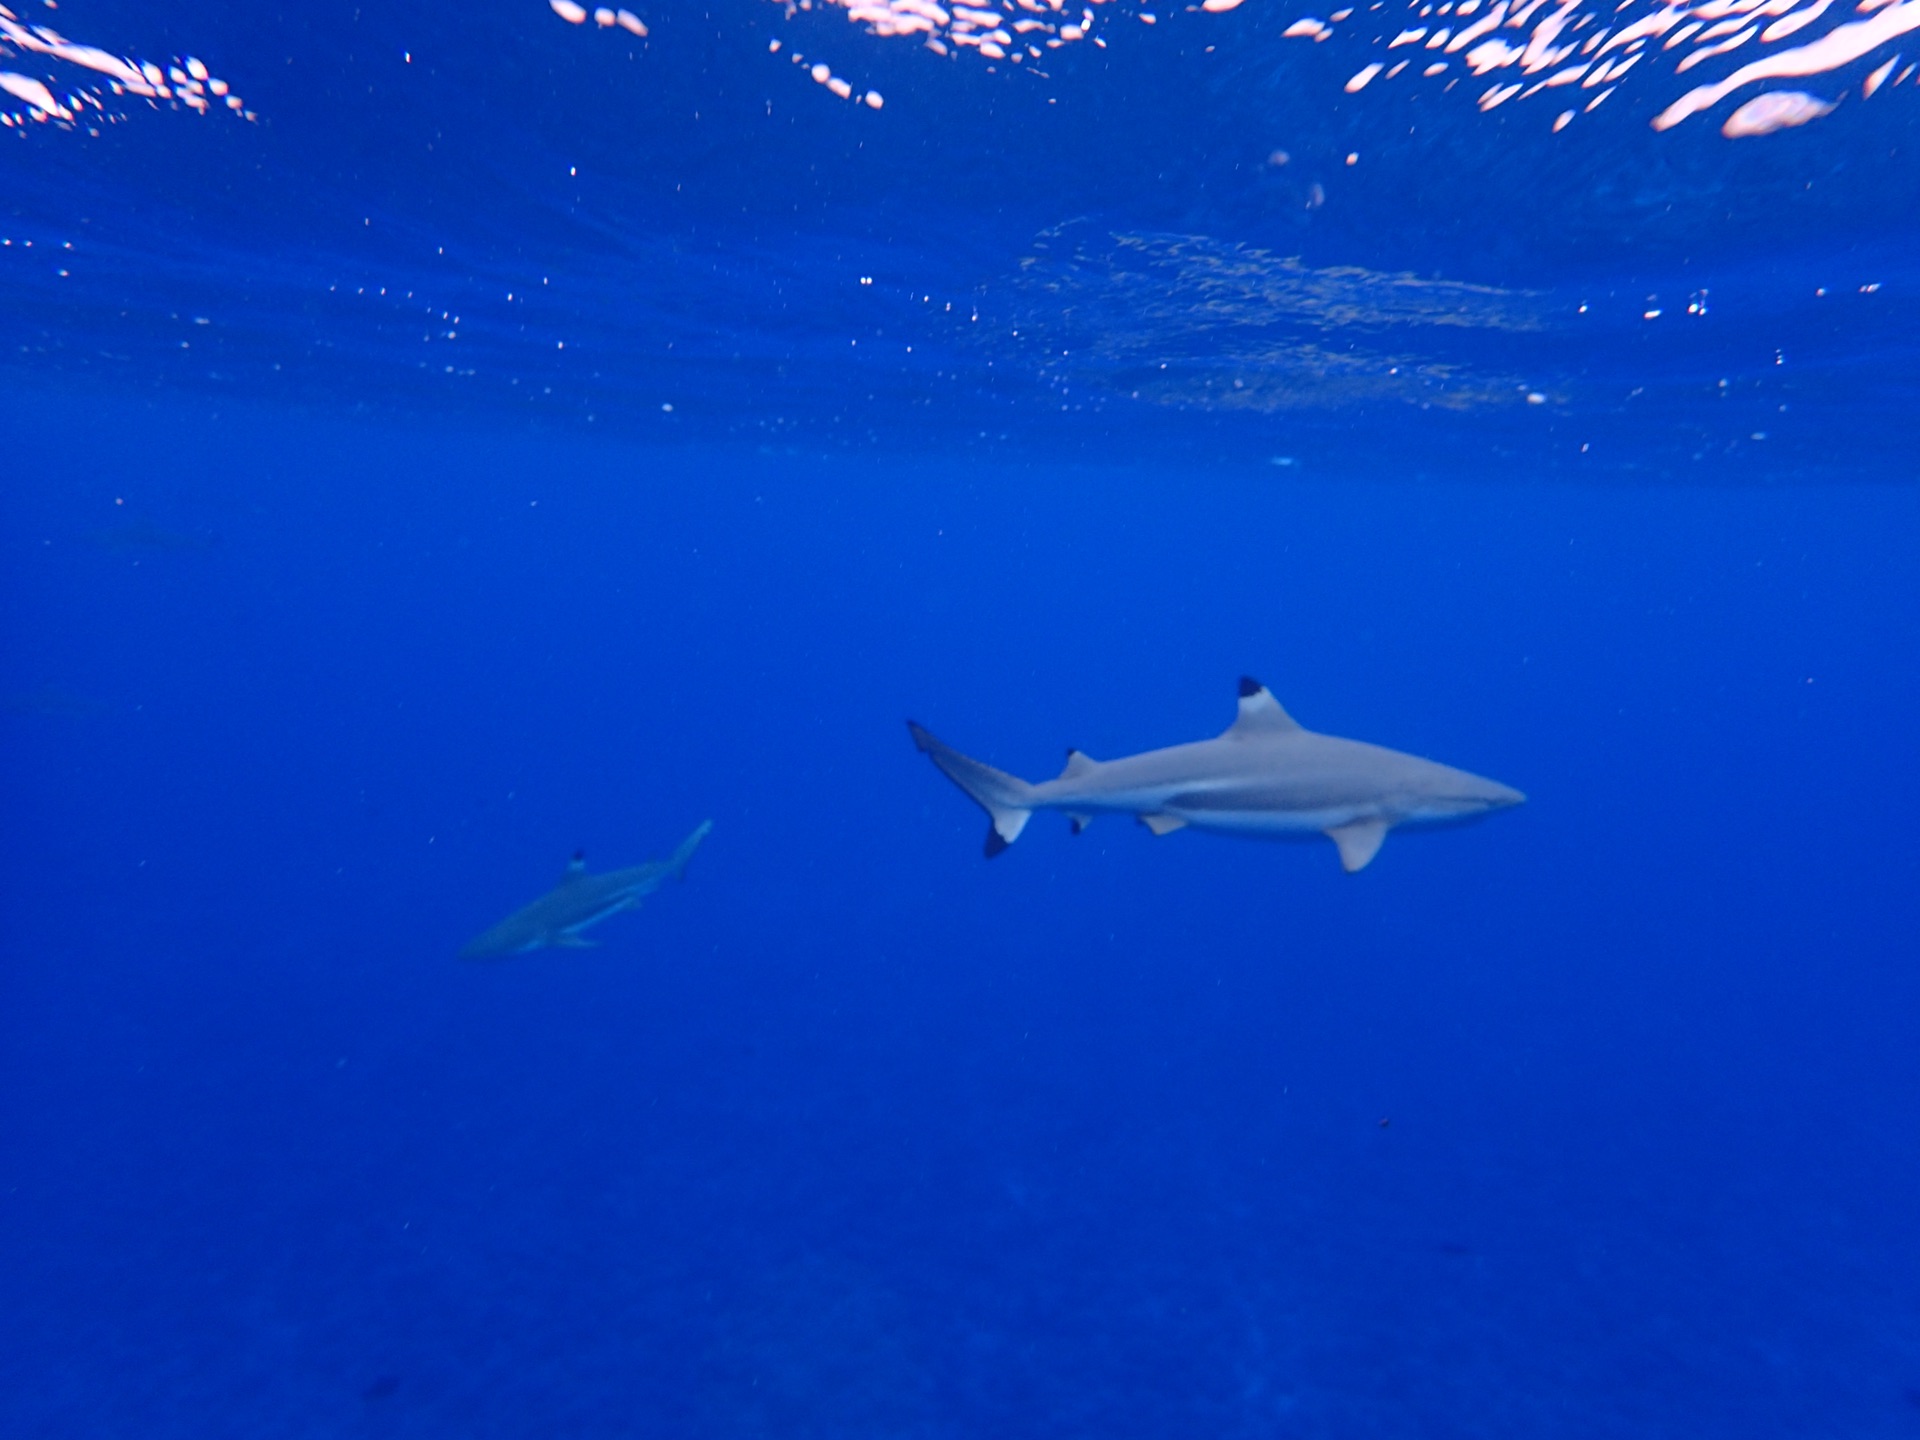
(1260, 714)
(1078, 763)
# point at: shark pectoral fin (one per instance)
(1162, 824)
(1359, 842)
(1080, 822)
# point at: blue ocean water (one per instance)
(502, 433)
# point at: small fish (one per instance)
(1265, 776)
(555, 921)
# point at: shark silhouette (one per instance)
(1265, 776)
(555, 920)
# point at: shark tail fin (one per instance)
(684, 852)
(1007, 799)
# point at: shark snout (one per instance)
(1499, 797)
(1468, 798)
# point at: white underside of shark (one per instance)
(1265, 776)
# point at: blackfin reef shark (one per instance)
(555, 921)
(1265, 776)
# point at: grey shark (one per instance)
(555, 920)
(1266, 776)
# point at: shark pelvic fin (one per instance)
(1359, 842)
(1260, 714)
(1080, 822)
(1078, 763)
(1162, 824)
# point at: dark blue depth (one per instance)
(856, 1133)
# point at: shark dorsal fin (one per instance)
(1078, 763)
(1260, 714)
(576, 867)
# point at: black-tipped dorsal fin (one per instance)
(1260, 713)
(576, 867)
(1078, 763)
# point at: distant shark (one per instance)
(555, 920)
(1266, 776)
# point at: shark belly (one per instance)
(1142, 800)
(1227, 804)
(1274, 821)
(1302, 795)
(1145, 784)
(611, 906)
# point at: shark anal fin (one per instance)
(1359, 842)
(1162, 824)
(1080, 822)
(1260, 713)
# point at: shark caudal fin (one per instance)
(1007, 799)
(677, 862)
